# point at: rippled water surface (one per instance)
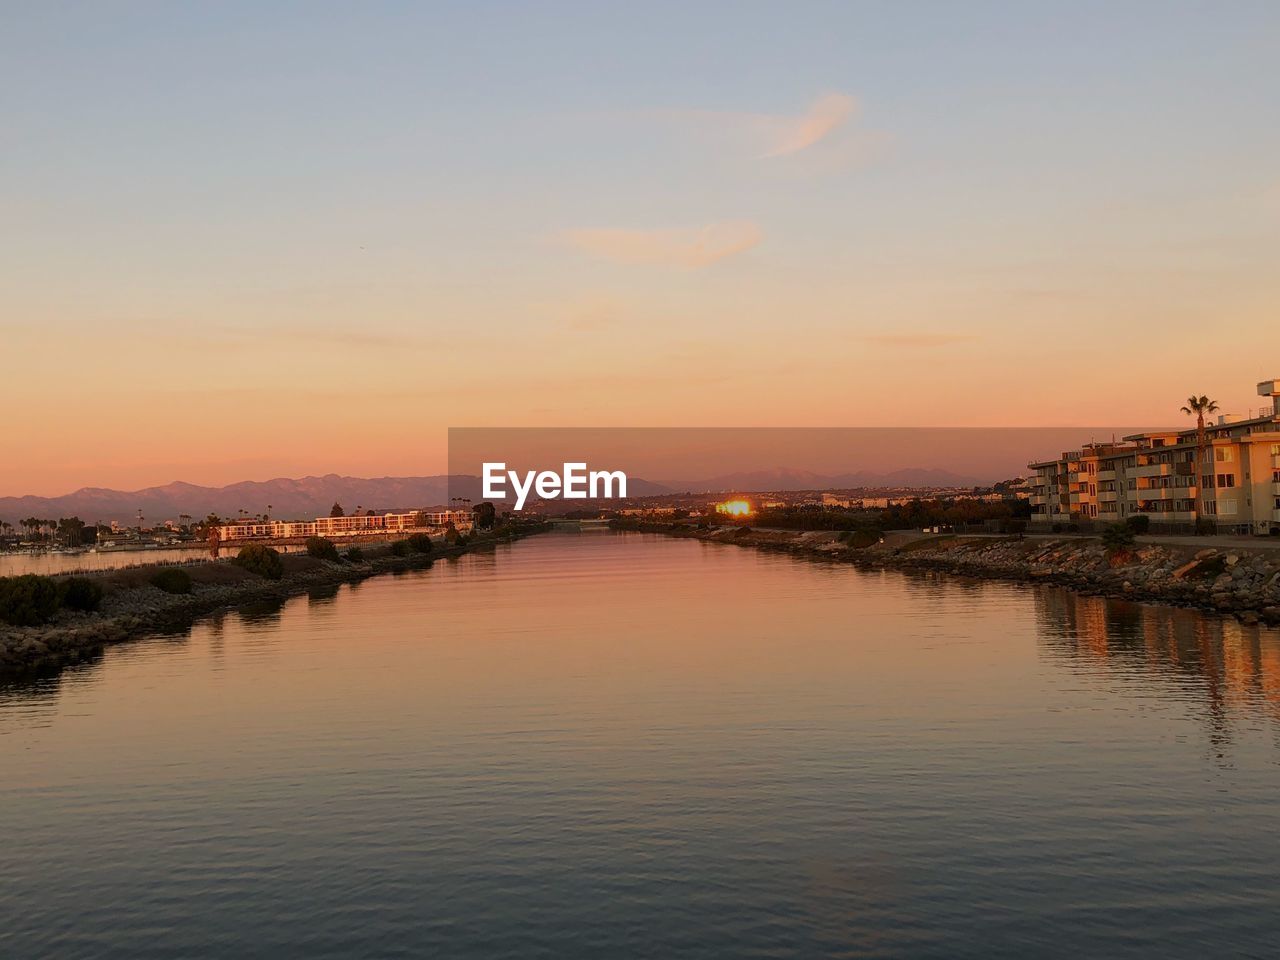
(605, 745)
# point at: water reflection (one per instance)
(614, 745)
(1232, 669)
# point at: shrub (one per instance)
(1139, 523)
(260, 559)
(419, 542)
(322, 549)
(451, 534)
(172, 580)
(1015, 526)
(860, 539)
(28, 600)
(354, 555)
(81, 594)
(1118, 538)
(400, 548)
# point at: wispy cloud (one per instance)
(921, 340)
(689, 247)
(824, 116)
(827, 126)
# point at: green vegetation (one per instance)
(354, 555)
(322, 549)
(172, 580)
(28, 600)
(400, 548)
(260, 559)
(1118, 538)
(859, 539)
(1139, 523)
(81, 594)
(484, 515)
(419, 542)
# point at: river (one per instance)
(615, 745)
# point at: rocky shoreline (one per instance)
(1243, 582)
(133, 608)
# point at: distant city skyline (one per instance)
(247, 242)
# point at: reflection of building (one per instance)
(1236, 485)
(431, 519)
(1226, 669)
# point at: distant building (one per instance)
(1235, 486)
(429, 520)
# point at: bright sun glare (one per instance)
(734, 508)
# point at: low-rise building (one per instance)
(1229, 479)
(433, 519)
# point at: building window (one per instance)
(1223, 454)
(1226, 480)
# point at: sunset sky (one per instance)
(243, 242)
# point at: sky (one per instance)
(242, 241)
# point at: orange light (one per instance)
(734, 508)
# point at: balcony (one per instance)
(1108, 496)
(1106, 475)
(1181, 516)
(1038, 500)
(1165, 493)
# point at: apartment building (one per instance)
(433, 518)
(1233, 485)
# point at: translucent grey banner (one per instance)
(558, 470)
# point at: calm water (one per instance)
(606, 745)
(12, 564)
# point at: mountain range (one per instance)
(314, 496)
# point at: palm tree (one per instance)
(1197, 407)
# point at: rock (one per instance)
(1204, 554)
(1232, 559)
